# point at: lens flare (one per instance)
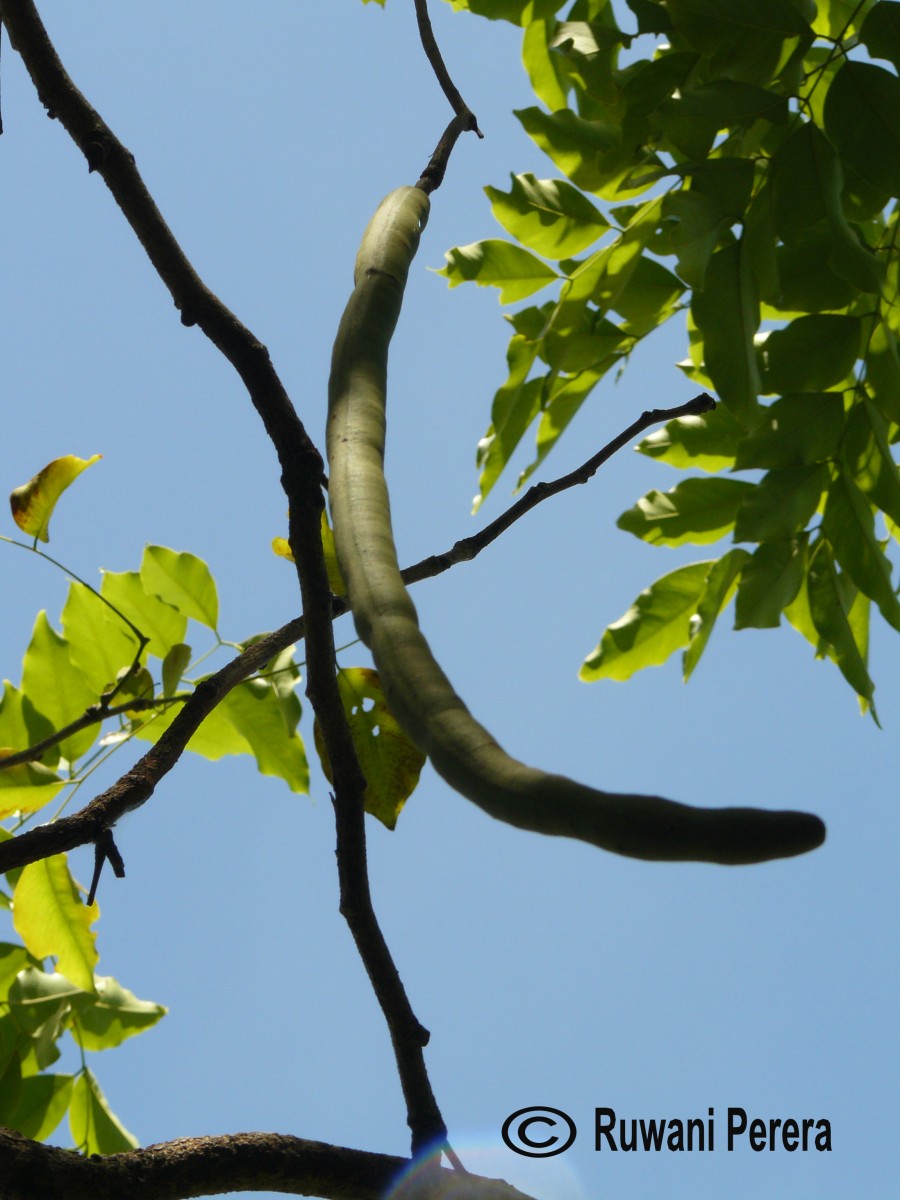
(485, 1155)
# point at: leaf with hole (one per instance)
(389, 760)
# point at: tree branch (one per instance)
(302, 476)
(137, 785)
(467, 548)
(93, 715)
(238, 1162)
(433, 53)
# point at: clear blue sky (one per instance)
(549, 973)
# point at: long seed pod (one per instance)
(418, 692)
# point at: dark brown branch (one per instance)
(205, 1166)
(91, 716)
(105, 848)
(433, 53)
(467, 548)
(433, 175)
(137, 784)
(302, 476)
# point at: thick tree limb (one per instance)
(209, 1166)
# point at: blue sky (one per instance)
(548, 972)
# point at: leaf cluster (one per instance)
(736, 165)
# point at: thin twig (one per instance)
(432, 51)
(93, 715)
(105, 848)
(137, 785)
(433, 175)
(467, 548)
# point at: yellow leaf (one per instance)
(389, 760)
(282, 547)
(51, 919)
(33, 503)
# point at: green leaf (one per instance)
(493, 263)
(332, 567)
(651, 17)
(41, 1105)
(164, 625)
(13, 959)
(100, 645)
(721, 581)
(694, 224)
(51, 918)
(38, 999)
(253, 709)
(880, 33)
(727, 315)
(10, 1078)
(810, 354)
(115, 1015)
(543, 67)
(798, 429)
(183, 581)
(603, 277)
(27, 787)
(515, 406)
(830, 614)
(174, 665)
(596, 346)
(648, 297)
(95, 1128)
(883, 372)
(548, 216)
(692, 121)
(807, 182)
(749, 42)
(517, 12)
(769, 582)
(840, 18)
(578, 147)
(656, 625)
(781, 504)
(696, 511)
(565, 396)
(709, 441)
(33, 503)
(389, 760)
(862, 119)
(867, 456)
(56, 687)
(849, 525)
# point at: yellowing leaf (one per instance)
(389, 760)
(51, 918)
(282, 547)
(33, 503)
